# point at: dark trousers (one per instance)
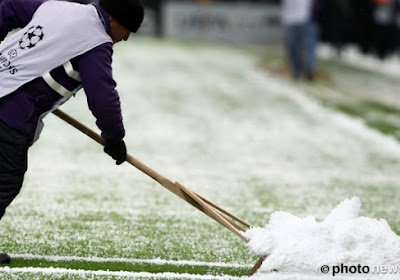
(13, 164)
(301, 42)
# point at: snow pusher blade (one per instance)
(223, 217)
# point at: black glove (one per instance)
(117, 151)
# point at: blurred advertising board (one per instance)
(238, 22)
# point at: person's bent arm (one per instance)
(102, 97)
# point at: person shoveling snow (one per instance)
(343, 244)
(60, 47)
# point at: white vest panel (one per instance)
(58, 32)
(296, 11)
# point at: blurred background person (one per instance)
(301, 36)
(386, 16)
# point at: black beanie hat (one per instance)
(128, 13)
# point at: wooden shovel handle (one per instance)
(207, 207)
(96, 137)
(194, 199)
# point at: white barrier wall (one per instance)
(233, 22)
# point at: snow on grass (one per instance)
(351, 55)
(202, 115)
(82, 274)
(126, 260)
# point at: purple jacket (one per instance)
(22, 108)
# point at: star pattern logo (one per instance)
(31, 37)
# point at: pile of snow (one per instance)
(303, 245)
(351, 55)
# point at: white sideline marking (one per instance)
(127, 260)
(164, 275)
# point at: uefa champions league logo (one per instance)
(31, 37)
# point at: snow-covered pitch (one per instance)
(209, 117)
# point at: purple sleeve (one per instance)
(99, 85)
(16, 14)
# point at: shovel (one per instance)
(223, 217)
